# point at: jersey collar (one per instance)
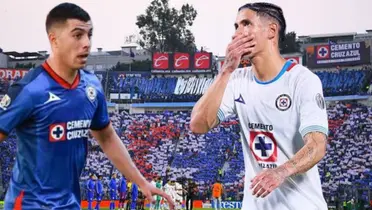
(59, 79)
(287, 67)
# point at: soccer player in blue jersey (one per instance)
(113, 188)
(99, 191)
(122, 192)
(52, 109)
(90, 191)
(134, 196)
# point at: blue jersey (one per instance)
(99, 187)
(123, 185)
(90, 186)
(112, 185)
(134, 191)
(52, 119)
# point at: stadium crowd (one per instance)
(162, 146)
(339, 82)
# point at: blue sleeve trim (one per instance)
(220, 115)
(314, 128)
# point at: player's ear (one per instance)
(52, 36)
(273, 30)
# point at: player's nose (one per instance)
(239, 31)
(86, 42)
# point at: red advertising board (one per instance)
(160, 61)
(202, 60)
(181, 61)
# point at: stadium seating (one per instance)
(349, 152)
(7, 157)
(335, 83)
(343, 82)
(158, 142)
(162, 145)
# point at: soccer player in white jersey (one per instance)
(281, 110)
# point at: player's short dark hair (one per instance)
(269, 10)
(62, 12)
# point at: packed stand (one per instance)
(348, 162)
(345, 82)
(161, 145)
(7, 158)
(163, 89)
(149, 89)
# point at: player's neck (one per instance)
(61, 70)
(267, 66)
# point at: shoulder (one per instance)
(26, 85)
(91, 79)
(240, 73)
(300, 75)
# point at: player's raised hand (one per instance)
(150, 190)
(241, 44)
(267, 181)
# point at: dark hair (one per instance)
(269, 10)
(62, 12)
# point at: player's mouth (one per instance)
(83, 57)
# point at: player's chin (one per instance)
(79, 64)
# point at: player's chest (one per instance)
(273, 104)
(64, 114)
(63, 104)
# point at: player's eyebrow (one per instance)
(81, 29)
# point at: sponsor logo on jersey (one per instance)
(240, 99)
(5, 102)
(70, 130)
(260, 126)
(264, 147)
(283, 102)
(320, 101)
(91, 93)
(52, 97)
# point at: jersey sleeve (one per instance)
(15, 107)
(227, 107)
(101, 117)
(312, 106)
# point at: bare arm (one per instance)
(118, 154)
(204, 113)
(313, 151)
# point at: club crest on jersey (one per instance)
(5, 102)
(320, 101)
(263, 146)
(283, 102)
(91, 93)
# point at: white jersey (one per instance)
(174, 192)
(274, 116)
